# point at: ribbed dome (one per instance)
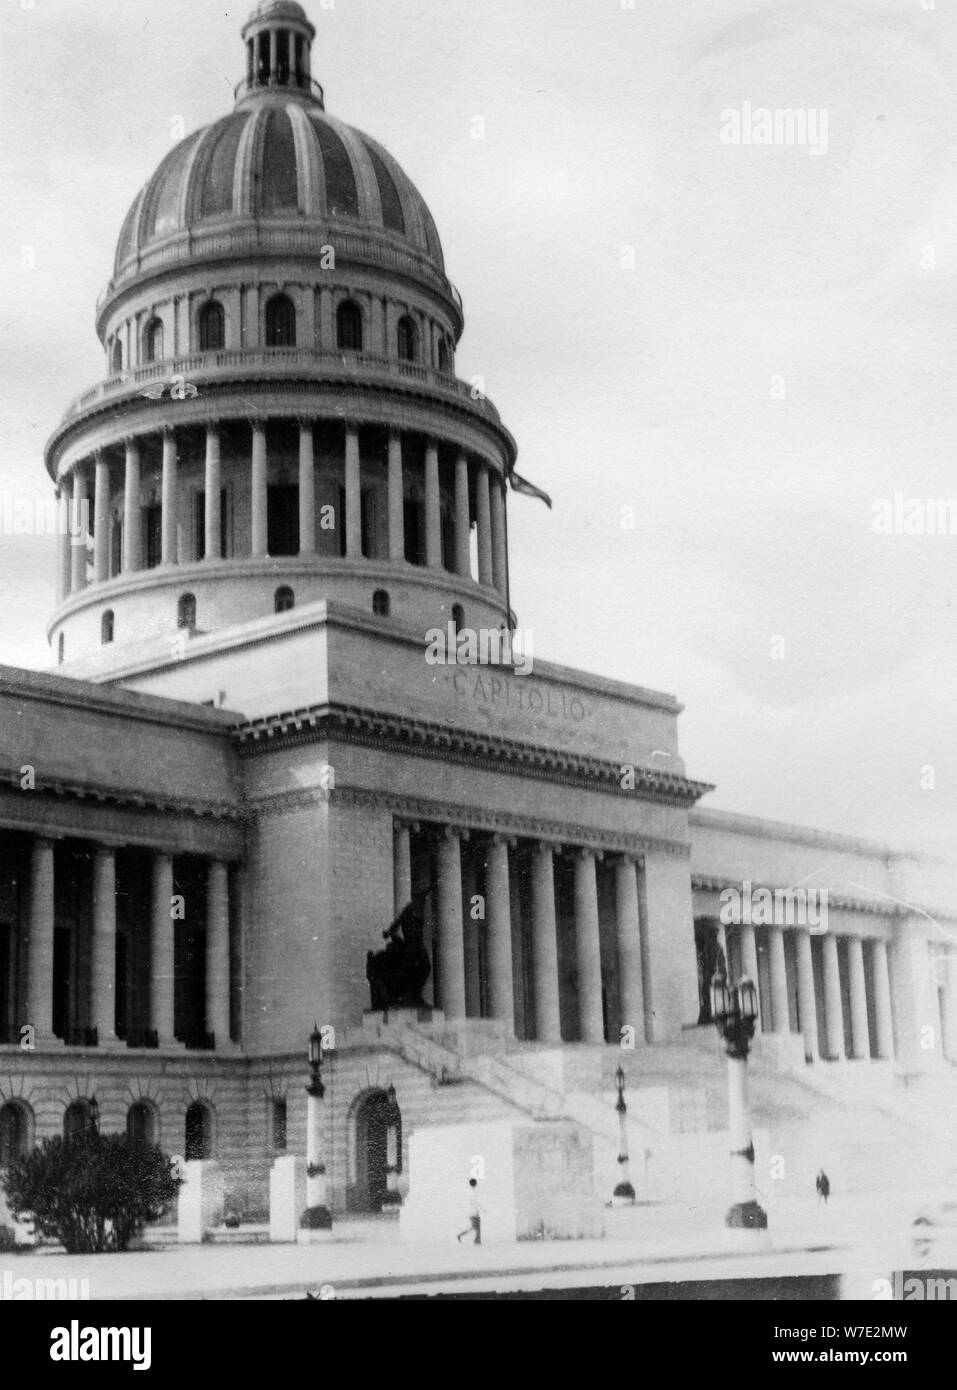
(279, 9)
(278, 160)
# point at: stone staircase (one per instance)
(857, 1120)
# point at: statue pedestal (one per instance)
(402, 1017)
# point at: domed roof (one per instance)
(275, 160)
(278, 9)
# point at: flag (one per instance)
(527, 489)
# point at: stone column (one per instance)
(103, 1004)
(463, 520)
(162, 974)
(101, 521)
(833, 1015)
(307, 489)
(260, 494)
(860, 1040)
(273, 56)
(628, 932)
(396, 499)
(451, 943)
(132, 557)
(591, 1027)
(40, 940)
(214, 496)
(217, 954)
(780, 1021)
(807, 1008)
(433, 508)
(170, 500)
(483, 525)
(498, 913)
(548, 1027)
(401, 867)
(80, 521)
(499, 544)
(64, 555)
(883, 1017)
(353, 494)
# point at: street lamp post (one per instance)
(93, 1115)
(317, 1216)
(624, 1194)
(735, 1013)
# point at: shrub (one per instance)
(93, 1193)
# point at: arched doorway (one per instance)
(141, 1124)
(199, 1131)
(16, 1132)
(373, 1117)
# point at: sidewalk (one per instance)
(650, 1244)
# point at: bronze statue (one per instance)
(397, 975)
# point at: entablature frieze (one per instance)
(465, 819)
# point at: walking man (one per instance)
(823, 1185)
(475, 1215)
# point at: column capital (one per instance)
(395, 434)
(352, 424)
(131, 441)
(305, 422)
(211, 425)
(584, 852)
(168, 431)
(411, 825)
(500, 837)
(627, 858)
(449, 832)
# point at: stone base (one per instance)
(398, 1018)
(315, 1219)
(747, 1216)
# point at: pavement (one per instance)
(365, 1258)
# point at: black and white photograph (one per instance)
(478, 657)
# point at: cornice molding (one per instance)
(873, 907)
(398, 733)
(118, 796)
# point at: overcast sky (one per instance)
(747, 345)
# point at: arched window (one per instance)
(349, 327)
(445, 357)
(16, 1136)
(407, 339)
(186, 612)
(458, 617)
(280, 322)
(107, 623)
(199, 1131)
(380, 603)
(153, 341)
(212, 327)
(116, 357)
(285, 599)
(141, 1124)
(77, 1120)
(60, 648)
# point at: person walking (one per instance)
(823, 1185)
(475, 1215)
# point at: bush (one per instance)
(93, 1193)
